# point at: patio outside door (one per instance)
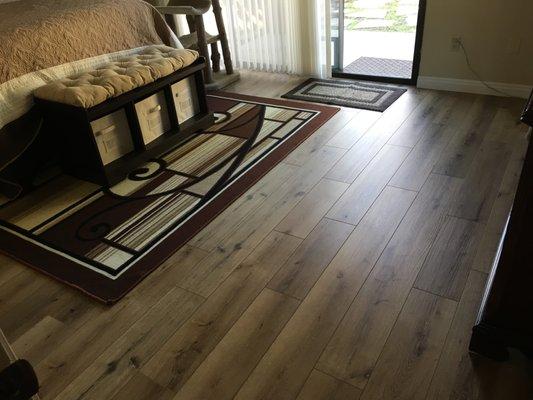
(377, 40)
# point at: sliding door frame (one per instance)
(416, 57)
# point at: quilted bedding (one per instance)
(45, 40)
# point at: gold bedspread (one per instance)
(38, 34)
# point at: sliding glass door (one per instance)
(377, 39)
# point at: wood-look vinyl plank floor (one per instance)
(354, 269)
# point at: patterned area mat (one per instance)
(355, 94)
(104, 241)
(380, 67)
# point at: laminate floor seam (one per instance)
(456, 311)
(323, 217)
(337, 378)
(238, 317)
(365, 280)
(271, 344)
(138, 318)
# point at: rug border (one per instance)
(111, 291)
(398, 92)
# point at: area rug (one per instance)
(105, 240)
(355, 94)
(374, 66)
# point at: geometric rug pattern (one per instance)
(105, 240)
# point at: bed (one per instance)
(45, 40)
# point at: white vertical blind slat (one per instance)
(278, 35)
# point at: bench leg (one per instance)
(215, 57)
(202, 47)
(217, 10)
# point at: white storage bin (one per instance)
(153, 116)
(112, 135)
(185, 99)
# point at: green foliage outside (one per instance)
(380, 15)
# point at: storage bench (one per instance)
(112, 120)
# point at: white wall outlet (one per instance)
(455, 44)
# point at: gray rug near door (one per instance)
(380, 67)
(355, 94)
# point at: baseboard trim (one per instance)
(471, 86)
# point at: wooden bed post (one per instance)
(202, 47)
(199, 39)
(217, 10)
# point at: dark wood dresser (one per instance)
(506, 315)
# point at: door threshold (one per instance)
(370, 78)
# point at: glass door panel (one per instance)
(377, 38)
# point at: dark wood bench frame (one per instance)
(78, 147)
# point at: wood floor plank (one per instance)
(68, 353)
(283, 370)
(104, 377)
(351, 308)
(480, 186)
(68, 306)
(460, 375)
(446, 268)
(358, 198)
(296, 277)
(454, 369)
(265, 84)
(410, 132)
(259, 222)
(354, 349)
(167, 275)
(434, 139)
(501, 208)
(70, 348)
(505, 125)
(320, 386)
(10, 269)
(70, 309)
(405, 367)
(311, 145)
(223, 225)
(462, 149)
(17, 314)
(83, 346)
(16, 283)
(417, 167)
(183, 352)
(357, 158)
(76, 311)
(140, 387)
(227, 366)
(307, 213)
(14, 292)
(32, 344)
(354, 130)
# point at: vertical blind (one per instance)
(290, 36)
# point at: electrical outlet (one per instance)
(455, 44)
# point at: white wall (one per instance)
(498, 35)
